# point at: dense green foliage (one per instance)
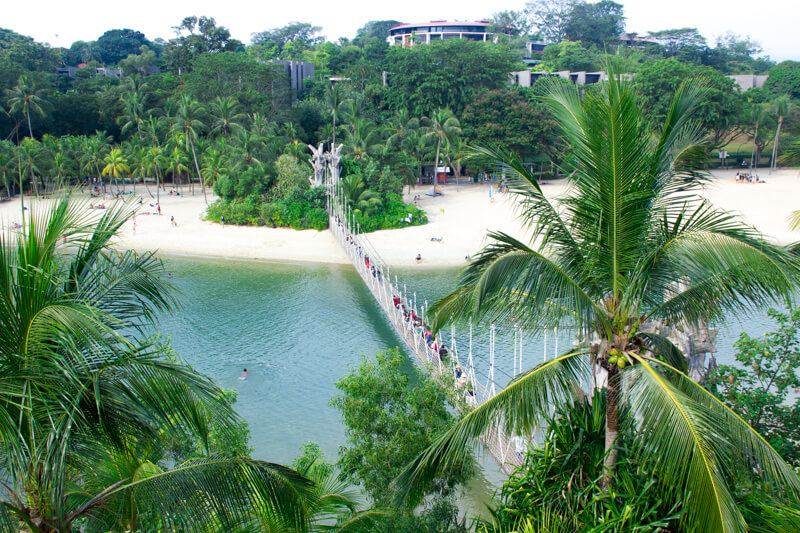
(632, 242)
(763, 386)
(392, 411)
(560, 480)
(93, 412)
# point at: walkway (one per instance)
(402, 312)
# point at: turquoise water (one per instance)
(299, 328)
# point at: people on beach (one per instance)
(419, 258)
(172, 221)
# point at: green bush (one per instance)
(301, 210)
(392, 214)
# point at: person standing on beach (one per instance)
(490, 194)
(159, 209)
(172, 221)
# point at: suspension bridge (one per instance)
(456, 365)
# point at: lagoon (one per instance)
(298, 328)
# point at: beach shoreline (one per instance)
(458, 223)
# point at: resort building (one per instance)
(407, 35)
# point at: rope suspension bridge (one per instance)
(453, 361)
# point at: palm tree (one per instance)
(632, 243)
(80, 384)
(225, 115)
(176, 163)
(334, 100)
(187, 120)
(94, 150)
(442, 125)
(361, 138)
(757, 116)
(153, 160)
(358, 196)
(25, 98)
(116, 165)
(28, 154)
(133, 113)
(781, 105)
(400, 127)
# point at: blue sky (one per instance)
(773, 23)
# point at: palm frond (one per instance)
(508, 281)
(217, 494)
(519, 407)
(681, 433)
(758, 457)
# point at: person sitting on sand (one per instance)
(419, 258)
(244, 375)
(396, 300)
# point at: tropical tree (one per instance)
(441, 127)
(153, 160)
(633, 243)
(358, 196)
(133, 112)
(187, 120)
(25, 98)
(81, 385)
(116, 165)
(334, 100)
(225, 115)
(361, 139)
(94, 150)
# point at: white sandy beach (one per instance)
(460, 219)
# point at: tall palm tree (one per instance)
(400, 127)
(116, 165)
(81, 383)
(442, 125)
(225, 115)
(187, 120)
(94, 150)
(29, 154)
(133, 113)
(25, 98)
(334, 98)
(361, 138)
(631, 243)
(781, 106)
(153, 161)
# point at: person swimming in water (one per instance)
(244, 375)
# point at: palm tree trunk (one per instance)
(199, 174)
(30, 130)
(436, 168)
(773, 162)
(612, 428)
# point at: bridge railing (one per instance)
(401, 309)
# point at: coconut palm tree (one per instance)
(25, 98)
(631, 243)
(80, 384)
(358, 196)
(133, 112)
(94, 150)
(400, 127)
(334, 98)
(187, 120)
(361, 138)
(153, 161)
(225, 115)
(116, 165)
(441, 126)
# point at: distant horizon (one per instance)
(771, 24)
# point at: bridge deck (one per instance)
(376, 276)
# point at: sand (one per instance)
(460, 219)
